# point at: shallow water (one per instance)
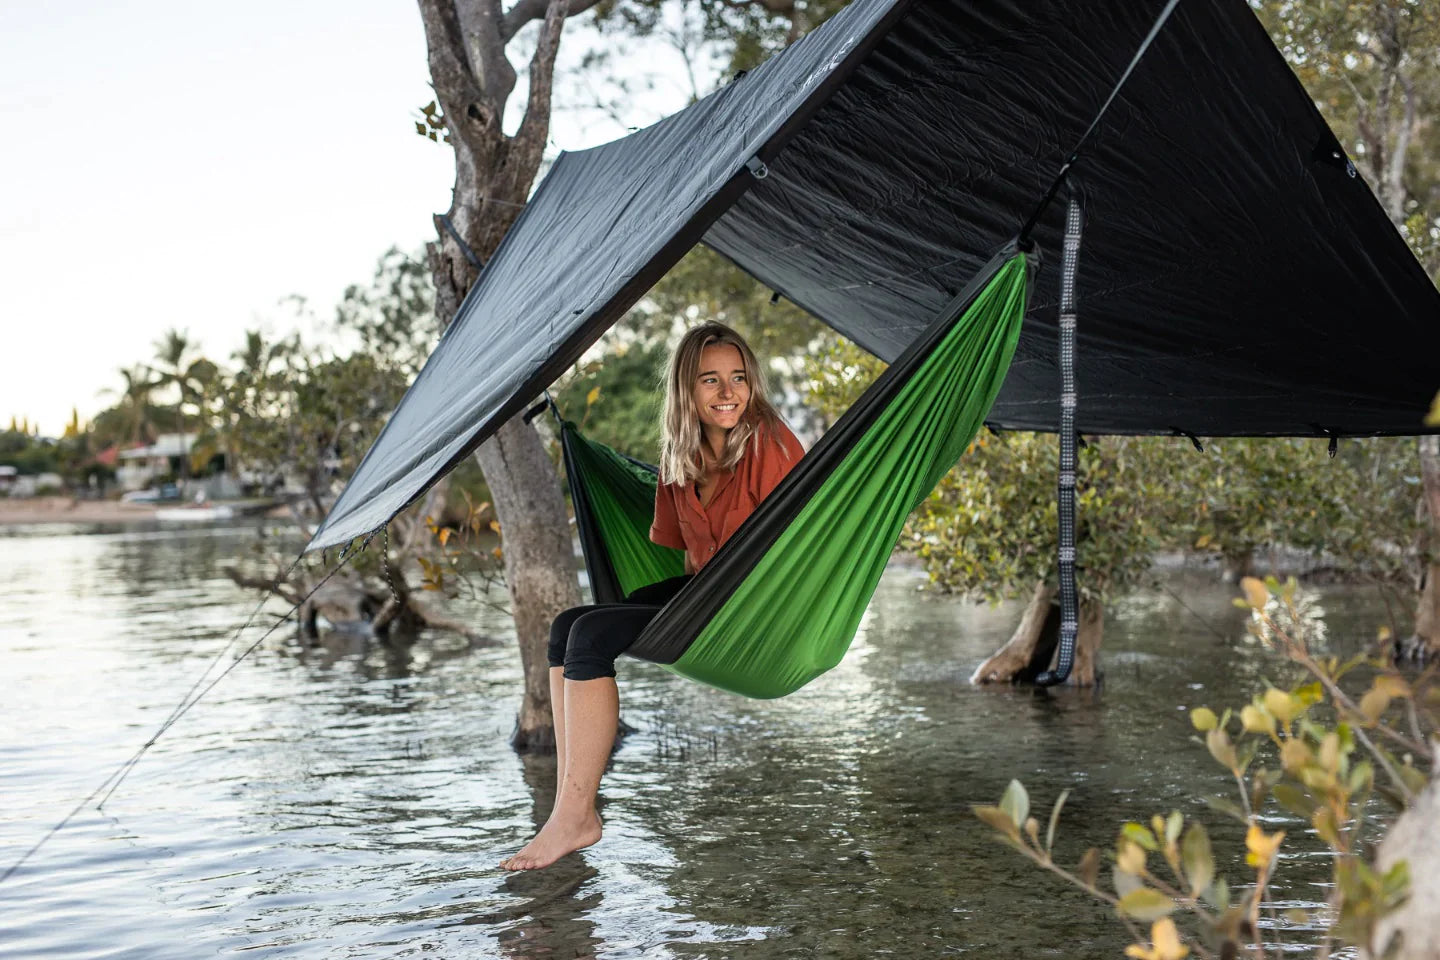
(352, 800)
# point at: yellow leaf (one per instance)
(1374, 704)
(1256, 593)
(1131, 858)
(998, 819)
(1432, 419)
(1255, 720)
(1204, 719)
(495, 525)
(1281, 704)
(1262, 846)
(1165, 943)
(444, 536)
(1294, 755)
(592, 396)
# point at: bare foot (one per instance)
(555, 839)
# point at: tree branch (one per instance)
(530, 138)
(527, 10)
(1395, 175)
(459, 88)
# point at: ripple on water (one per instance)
(353, 800)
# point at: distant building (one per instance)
(9, 476)
(140, 466)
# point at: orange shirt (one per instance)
(681, 522)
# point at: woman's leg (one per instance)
(559, 641)
(592, 714)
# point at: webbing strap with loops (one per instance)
(1069, 601)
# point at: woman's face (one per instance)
(722, 391)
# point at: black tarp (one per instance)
(1237, 278)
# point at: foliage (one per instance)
(628, 365)
(617, 397)
(747, 31)
(29, 455)
(1372, 68)
(1355, 512)
(1330, 747)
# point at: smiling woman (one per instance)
(723, 450)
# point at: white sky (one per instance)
(168, 163)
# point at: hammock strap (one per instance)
(1065, 494)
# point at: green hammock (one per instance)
(780, 603)
(614, 508)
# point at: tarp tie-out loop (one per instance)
(546, 403)
(444, 221)
(1194, 440)
(1334, 446)
(1024, 240)
(757, 168)
(1065, 492)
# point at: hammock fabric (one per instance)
(782, 600)
(614, 499)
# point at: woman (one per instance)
(723, 450)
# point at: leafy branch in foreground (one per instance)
(1330, 749)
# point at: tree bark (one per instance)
(1425, 643)
(473, 79)
(539, 563)
(1413, 839)
(1033, 647)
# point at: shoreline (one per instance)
(27, 511)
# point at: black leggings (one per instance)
(586, 640)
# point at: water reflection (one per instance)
(353, 797)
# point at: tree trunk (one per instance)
(1425, 644)
(1413, 839)
(539, 563)
(1032, 649)
(473, 78)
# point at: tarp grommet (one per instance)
(757, 168)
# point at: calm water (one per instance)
(351, 800)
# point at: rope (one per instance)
(191, 698)
(1069, 601)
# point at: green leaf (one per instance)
(1294, 799)
(1218, 896)
(1197, 858)
(1146, 905)
(1140, 834)
(1016, 802)
(1055, 819)
(1227, 807)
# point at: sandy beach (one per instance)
(28, 510)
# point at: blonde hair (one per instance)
(680, 433)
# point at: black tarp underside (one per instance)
(1234, 278)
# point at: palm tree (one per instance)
(191, 375)
(136, 404)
